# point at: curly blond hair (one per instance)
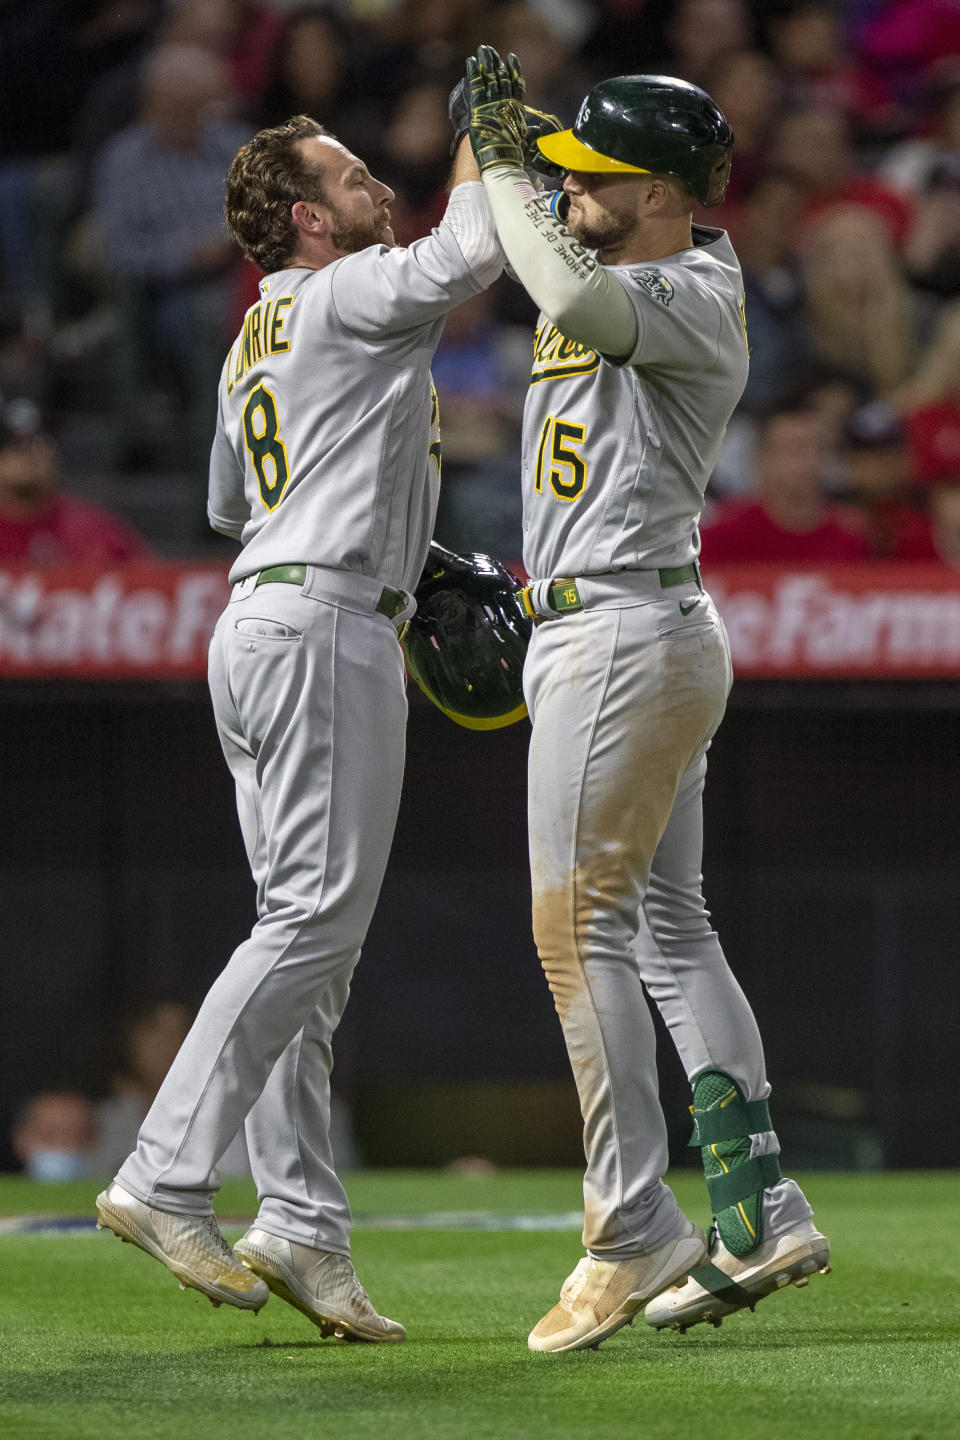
(266, 179)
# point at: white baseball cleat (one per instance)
(726, 1284)
(320, 1284)
(603, 1295)
(189, 1245)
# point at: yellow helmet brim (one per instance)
(566, 150)
(493, 722)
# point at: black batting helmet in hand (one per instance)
(466, 645)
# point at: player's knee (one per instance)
(678, 918)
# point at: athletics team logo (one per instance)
(555, 357)
(656, 284)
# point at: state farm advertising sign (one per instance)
(153, 621)
(871, 621)
(144, 620)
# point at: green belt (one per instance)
(391, 602)
(679, 575)
(282, 575)
(564, 597)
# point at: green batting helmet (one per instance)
(649, 124)
(466, 645)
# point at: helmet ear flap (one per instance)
(717, 181)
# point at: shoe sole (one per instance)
(110, 1217)
(279, 1280)
(793, 1268)
(626, 1312)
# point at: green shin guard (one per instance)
(723, 1122)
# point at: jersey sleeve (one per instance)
(564, 279)
(679, 318)
(382, 290)
(228, 509)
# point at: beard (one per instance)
(350, 235)
(605, 232)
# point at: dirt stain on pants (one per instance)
(624, 702)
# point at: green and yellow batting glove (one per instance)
(498, 127)
(539, 124)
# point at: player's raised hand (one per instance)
(540, 123)
(498, 127)
(458, 108)
(458, 105)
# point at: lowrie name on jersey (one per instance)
(262, 335)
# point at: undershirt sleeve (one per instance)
(385, 289)
(571, 287)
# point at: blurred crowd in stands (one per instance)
(73, 1134)
(120, 290)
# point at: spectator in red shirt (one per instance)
(878, 484)
(39, 524)
(791, 520)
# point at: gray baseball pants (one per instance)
(624, 697)
(310, 703)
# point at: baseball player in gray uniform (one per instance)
(639, 358)
(326, 467)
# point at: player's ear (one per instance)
(654, 193)
(654, 190)
(310, 216)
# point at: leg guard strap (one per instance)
(739, 1117)
(743, 1181)
(711, 1278)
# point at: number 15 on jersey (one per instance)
(560, 466)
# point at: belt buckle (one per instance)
(557, 597)
(391, 602)
(564, 597)
(528, 609)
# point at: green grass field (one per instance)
(96, 1339)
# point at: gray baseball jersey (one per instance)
(327, 456)
(617, 456)
(626, 681)
(319, 459)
